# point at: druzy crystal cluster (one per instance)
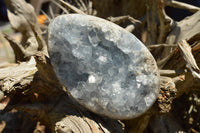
(104, 67)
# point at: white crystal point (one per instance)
(105, 68)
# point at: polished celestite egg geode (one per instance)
(104, 67)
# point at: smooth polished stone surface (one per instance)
(104, 67)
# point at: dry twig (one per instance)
(120, 19)
(51, 12)
(160, 45)
(171, 72)
(177, 4)
(186, 53)
(69, 6)
(60, 6)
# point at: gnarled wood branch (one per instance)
(17, 76)
(24, 20)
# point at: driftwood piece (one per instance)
(175, 61)
(181, 58)
(24, 20)
(185, 29)
(17, 76)
(162, 29)
(186, 53)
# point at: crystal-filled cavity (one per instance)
(104, 67)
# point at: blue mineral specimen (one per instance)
(104, 67)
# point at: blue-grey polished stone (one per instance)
(104, 67)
